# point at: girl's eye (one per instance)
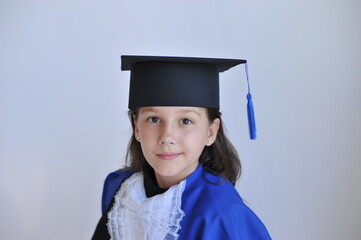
(186, 121)
(153, 120)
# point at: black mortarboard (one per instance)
(179, 81)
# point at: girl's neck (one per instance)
(166, 182)
(169, 181)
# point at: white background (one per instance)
(63, 104)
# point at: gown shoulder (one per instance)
(111, 185)
(214, 210)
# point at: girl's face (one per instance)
(172, 139)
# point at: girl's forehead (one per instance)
(174, 110)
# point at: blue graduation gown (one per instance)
(213, 209)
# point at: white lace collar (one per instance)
(134, 216)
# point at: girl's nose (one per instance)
(167, 135)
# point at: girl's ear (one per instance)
(136, 129)
(212, 131)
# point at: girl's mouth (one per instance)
(168, 156)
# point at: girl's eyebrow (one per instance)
(191, 111)
(148, 109)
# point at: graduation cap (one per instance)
(180, 81)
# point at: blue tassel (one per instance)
(251, 118)
(250, 111)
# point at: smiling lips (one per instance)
(168, 156)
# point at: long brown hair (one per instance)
(221, 158)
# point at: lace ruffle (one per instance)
(134, 216)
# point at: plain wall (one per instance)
(63, 106)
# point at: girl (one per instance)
(179, 183)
